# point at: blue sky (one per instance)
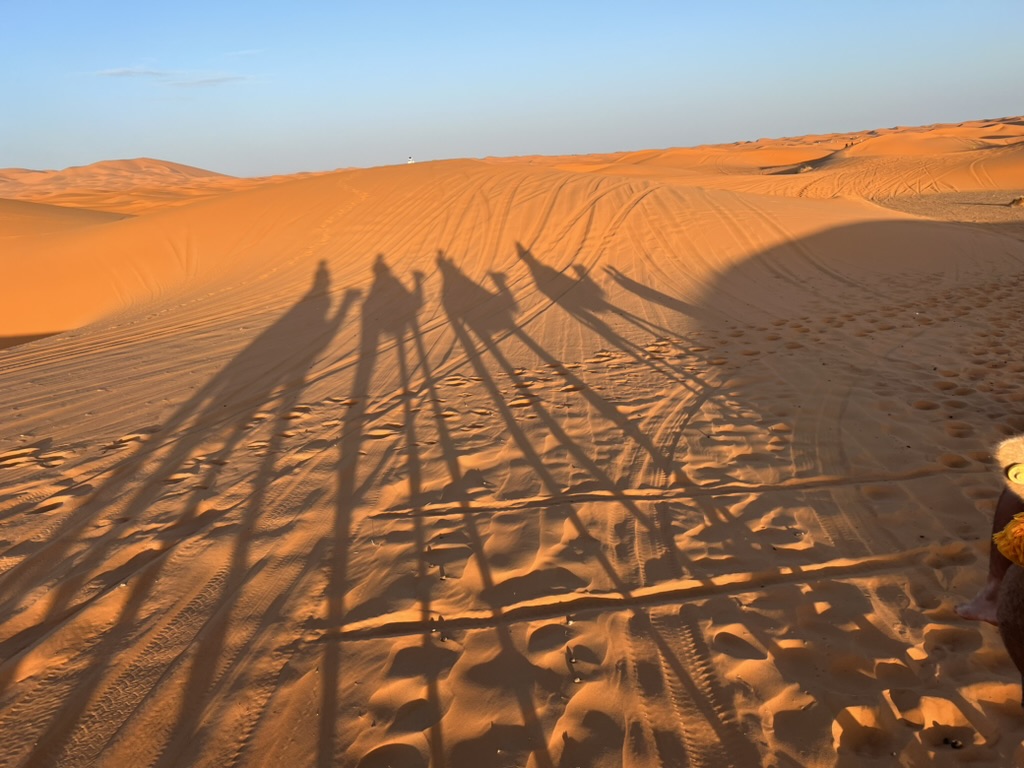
(257, 87)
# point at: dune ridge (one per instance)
(665, 458)
(127, 187)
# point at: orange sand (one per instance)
(664, 458)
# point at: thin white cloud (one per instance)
(202, 82)
(132, 72)
(177, 78)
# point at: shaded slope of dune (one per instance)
(491, 463)
(19, 218)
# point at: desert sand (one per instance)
(665, 458)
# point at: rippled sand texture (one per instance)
(669, 458)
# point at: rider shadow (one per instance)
(647, 293)
(491, 326)
(585, 301)
(272, 368)
(388, 315)
(266, 378)
(478, 332)
(490, 314)
(213, 641)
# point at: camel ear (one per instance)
(1015, 474)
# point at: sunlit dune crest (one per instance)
(666, 457)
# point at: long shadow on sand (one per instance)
(388, 312)
(815, 634)
(586, 302)
(266, 378)
(478, 317)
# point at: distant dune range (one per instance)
(673, 457)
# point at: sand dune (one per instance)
(119, 186)
(872, 164)
(664, 458)
(19, 218)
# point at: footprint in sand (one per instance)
(299, 412)
(959, 429)
(953, 461)
(735, 646)
(49, 506)
(50, 460)
(18, 457)
(125, 441)
(941, 641)
(256, 420)
(214, 460)
(549, 636)
(59, 500)
(863, 731)
(939, 724)
(385, 430)
(32, 455)
(340, 400)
